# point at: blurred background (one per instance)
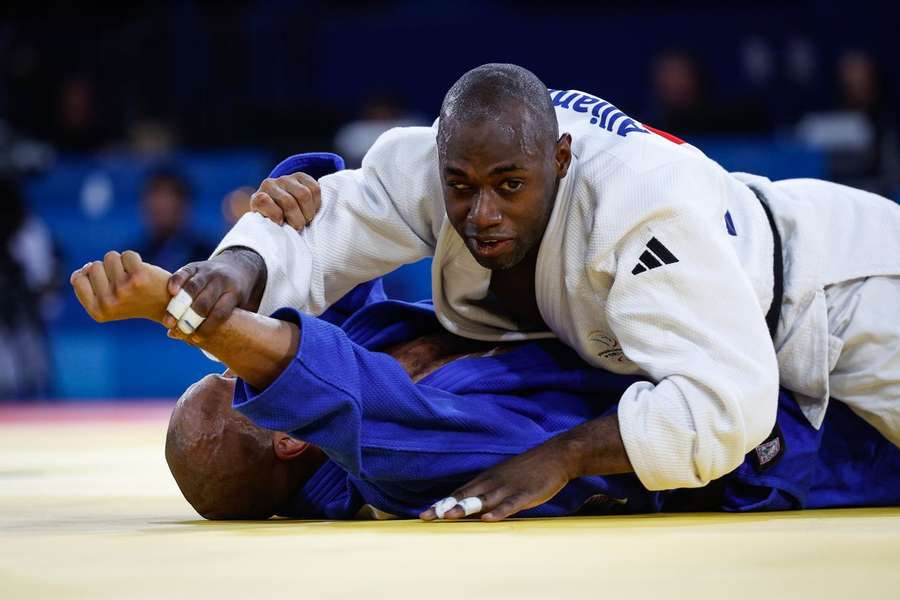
(147, 125)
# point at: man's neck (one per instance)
(514, 290)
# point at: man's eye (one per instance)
(512, 185)
(459, 187)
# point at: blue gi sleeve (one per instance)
(363, 410)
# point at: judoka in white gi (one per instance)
(561, 216)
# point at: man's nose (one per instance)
(484, 212)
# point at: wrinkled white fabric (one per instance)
(863, 323)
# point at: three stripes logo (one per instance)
(655, 255)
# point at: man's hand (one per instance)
(233, 279)
(532, 478)
(520, 483)
(293, 199)
(122, 286)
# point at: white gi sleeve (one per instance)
(373, 220)
(695, 326)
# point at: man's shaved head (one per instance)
(495, 91)
(227, 467)
(501, 159)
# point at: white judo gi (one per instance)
(655, 261)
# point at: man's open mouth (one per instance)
(489, 247)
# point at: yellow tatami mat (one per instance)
(88, 510)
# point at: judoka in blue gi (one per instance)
(378, 443)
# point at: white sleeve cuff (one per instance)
(659, 443)
(286, 255)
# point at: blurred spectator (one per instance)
(861, 133)
(378, 114)
(859, 82)
(166, 205)
(20, 154)
(28, 275)
(683, 106)
(78, 127)
(236, 204)
(151, 136)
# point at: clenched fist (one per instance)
(122, 286)
(236, 278)
(293, 199)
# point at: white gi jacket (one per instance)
(640, 271)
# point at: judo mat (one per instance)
(88, 510)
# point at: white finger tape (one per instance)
(190, 321)
(442, 506)
(180, 303)
(471, 505)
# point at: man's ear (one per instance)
(563, 155)
(286, 447)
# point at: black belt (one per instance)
(773, 447)
(777, 271)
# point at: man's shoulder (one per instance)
(412, 144)
(405, 159)
(589, 113)
(609, 140)
(630, 178)
(625, 190)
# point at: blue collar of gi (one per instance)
(314, 164)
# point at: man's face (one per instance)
(499, 188)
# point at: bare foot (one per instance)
(122, 286)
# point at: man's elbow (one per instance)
(752, 424)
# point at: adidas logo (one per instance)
(655, 255)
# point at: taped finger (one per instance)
(442, 506)
(471, 505)
(190, 321)
(179, 304)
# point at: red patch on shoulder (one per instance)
(665, 134)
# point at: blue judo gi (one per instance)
(399, 445)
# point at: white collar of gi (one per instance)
(460, 284)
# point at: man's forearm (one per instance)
(122, 286)
(595, 448)
(256, 348)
